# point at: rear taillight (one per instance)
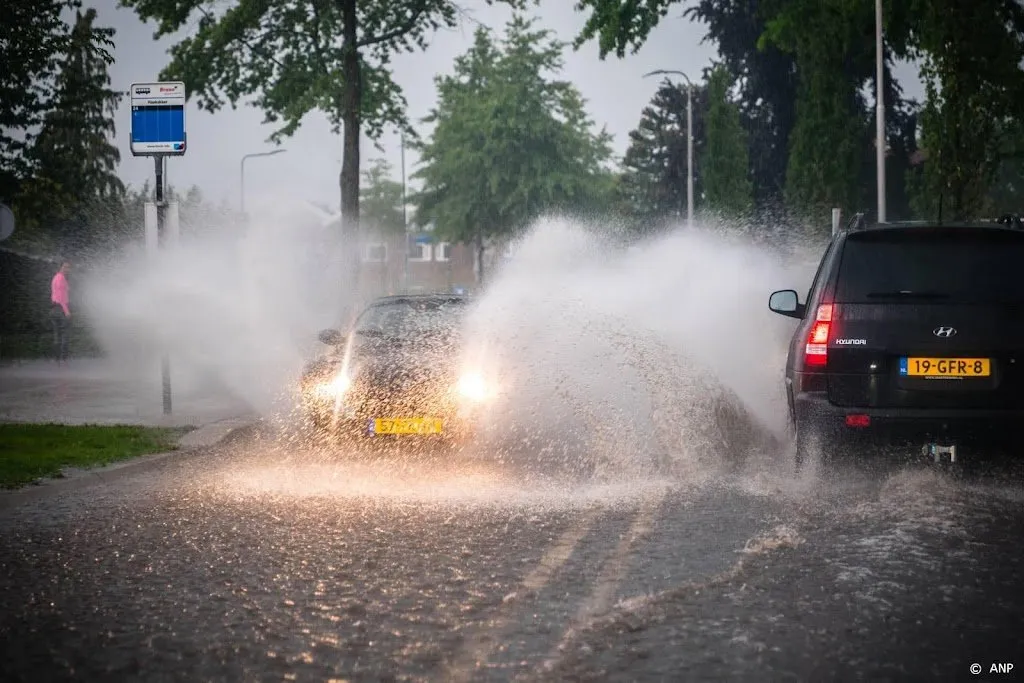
(816, 352)
(858, 421)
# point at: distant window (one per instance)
(375, 253)
(419, 251)
(443, 252)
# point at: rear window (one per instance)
(964, 265)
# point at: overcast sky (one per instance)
(614, 89)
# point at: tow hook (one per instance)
(937, 452)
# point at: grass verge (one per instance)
(32, 451)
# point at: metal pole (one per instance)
(242, 183)
(405, 224)
(689, 154)
(242, 171)
(689, 139)
(880, 110)
(161, 206)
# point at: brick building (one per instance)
(416, 262)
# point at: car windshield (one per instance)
(961, 265)
(410, 319)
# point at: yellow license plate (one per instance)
(406, 425)
(945, 367)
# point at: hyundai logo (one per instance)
(944, 332)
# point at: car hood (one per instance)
(436, 355)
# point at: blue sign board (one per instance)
(158, 119)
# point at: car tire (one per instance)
(811, 447)
(804, 449)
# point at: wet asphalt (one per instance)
(262, 561)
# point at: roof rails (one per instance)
(858, 222)
(1011, 220)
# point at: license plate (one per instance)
(945, 368)
(405, 425)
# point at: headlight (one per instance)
(472, 386)
(334, 388)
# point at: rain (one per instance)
(626, 505)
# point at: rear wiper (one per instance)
(907, 294)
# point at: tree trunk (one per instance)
(479, 257)
(351, 102)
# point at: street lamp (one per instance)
(242, 175)
(405, 223)
(689, 140)
(879, 111)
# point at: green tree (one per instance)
(835, 63)
(971, 55)
(767, 88)
(509, 143)
(655, 163)
(901, 128)
(725, 162)
(74, 147)
(1006, 192)
(197, 216)
(295, 56)
(33, 35)
(769, 76)
(381, 201)
(74, 151)
(133, 211)
(621, 24)
(830, 138)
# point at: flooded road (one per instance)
(260, 562)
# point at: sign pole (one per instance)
(158, 130)
(405, 226)
(159, 164)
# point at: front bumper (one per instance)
(899, 425)
(356, 417)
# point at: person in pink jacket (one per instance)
(60, 312)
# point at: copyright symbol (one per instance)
(975, 669)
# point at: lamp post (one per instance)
(879, 111)
(242, 174)
(689, 139)
(405, 224)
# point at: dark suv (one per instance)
(911, 334)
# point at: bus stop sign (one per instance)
(158, 119)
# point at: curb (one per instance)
(192, 443)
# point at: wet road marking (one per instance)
(612, 574)
(479, 647)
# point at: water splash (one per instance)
(237, 310)
(664, 350)
(626, 361)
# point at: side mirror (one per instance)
(332, 337)
(786, 302)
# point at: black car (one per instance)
(912, 335)
(397, 372)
